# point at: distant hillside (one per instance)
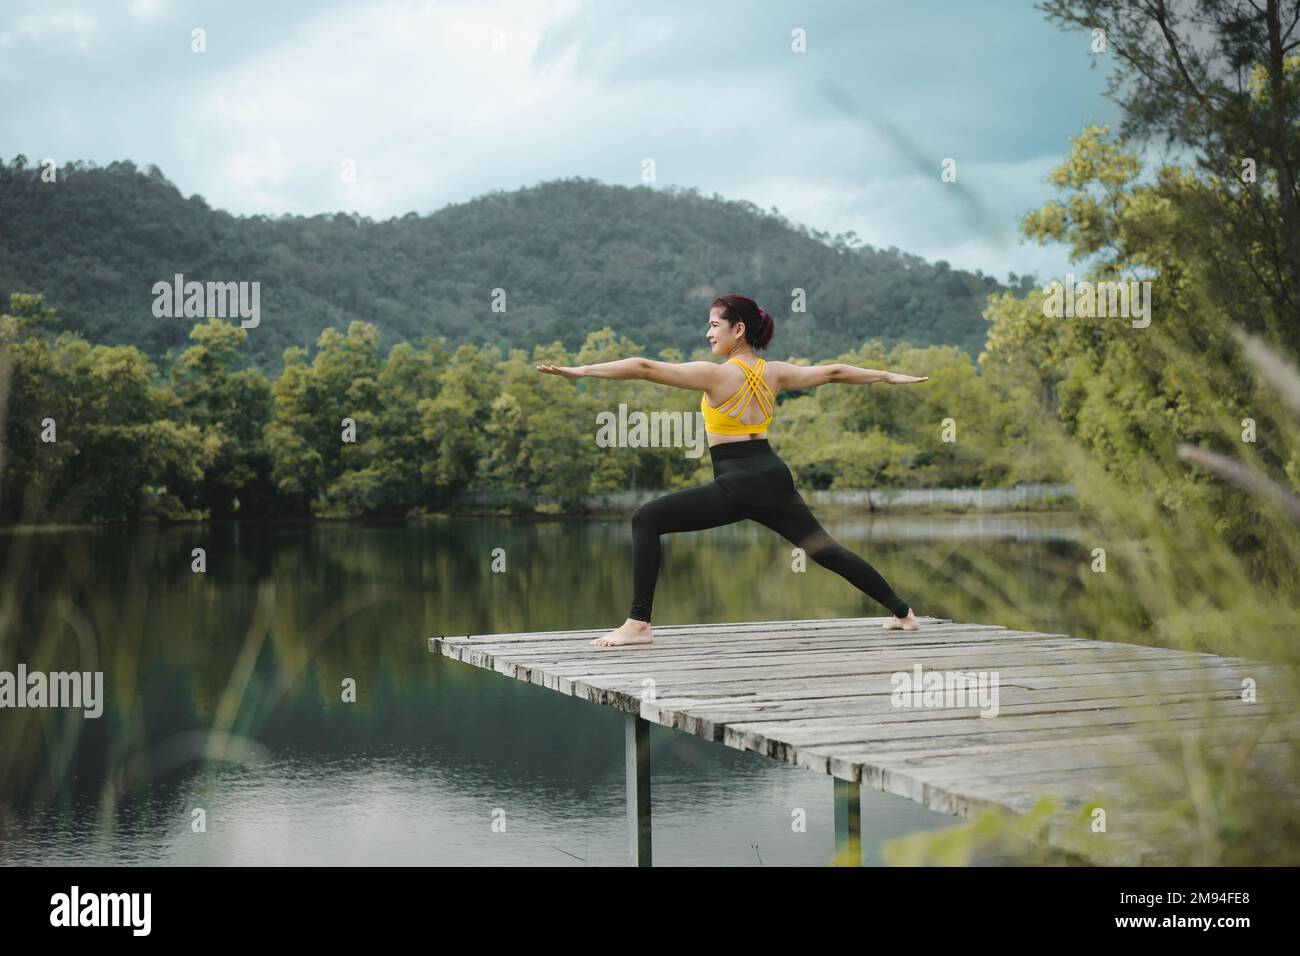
(572, 255)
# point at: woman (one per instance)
(749, 480)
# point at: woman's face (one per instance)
(723, 337)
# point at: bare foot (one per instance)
(909, 623)
(632, 632)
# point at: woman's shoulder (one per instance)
(775, 370)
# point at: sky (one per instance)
(385, 108)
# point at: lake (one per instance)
(226, 737)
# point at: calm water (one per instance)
(223, 689)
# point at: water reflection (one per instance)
(224, 689)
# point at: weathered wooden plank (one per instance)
(728, 708)
(678, 685)
(856, 659)
(855, 763)
(1076, 718)
(853, 647)
(742, 627)
(873, 641)
(709, 722)
(782, 742)
(1134, 680)
(880, 713)
(1117, 741)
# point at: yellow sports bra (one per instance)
(720, 420)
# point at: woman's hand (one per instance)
(898, 378)
(562, 370)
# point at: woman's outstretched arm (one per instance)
(794, 378)
(698, 376)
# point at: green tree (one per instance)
(117, 451)
(452, 422)
(310, 459)
(231, 406)
(1220, 79)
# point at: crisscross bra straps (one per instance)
(725, 419)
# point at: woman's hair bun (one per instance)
(765, 329)
(758, 321)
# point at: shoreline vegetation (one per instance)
(97, 433)
(1064, 506)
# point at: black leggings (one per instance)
(749, 481)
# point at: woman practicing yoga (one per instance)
(749, 480)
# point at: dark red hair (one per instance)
(740, 308)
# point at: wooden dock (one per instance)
(1075, 720)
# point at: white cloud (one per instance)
(414, 93)
(145, 9)
(68, 26)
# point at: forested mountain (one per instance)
(571, 256)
